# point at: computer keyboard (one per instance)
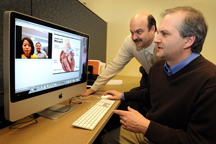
(92, 117)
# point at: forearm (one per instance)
(114, 67)
(104, 77)
(161, 134)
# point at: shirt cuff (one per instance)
(123, 97)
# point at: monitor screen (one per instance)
(44, 64)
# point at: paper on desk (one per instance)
(114, 82)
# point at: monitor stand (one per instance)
(56, 111)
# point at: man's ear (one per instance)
(189, 41)
(153, 29)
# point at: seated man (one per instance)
(181, 89)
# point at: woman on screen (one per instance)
(28, 48)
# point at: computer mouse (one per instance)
(106, 96)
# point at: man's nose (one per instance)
(134, 36)
(157, 39)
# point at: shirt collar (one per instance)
(151, 48)
(36, 52)
(172, 70)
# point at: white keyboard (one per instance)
(92, 117)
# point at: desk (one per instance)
(60, 131)
(129, 82)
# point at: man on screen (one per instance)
(40, 53)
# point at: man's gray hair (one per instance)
(192, 24)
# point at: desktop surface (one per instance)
(57, 131)
(61, 130)
(129, 82)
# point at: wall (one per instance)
(73, 14)
(118, 13)
(68, 13)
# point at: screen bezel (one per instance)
(15, 15)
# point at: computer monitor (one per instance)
(32, 84)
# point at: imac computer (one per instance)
(44, 64)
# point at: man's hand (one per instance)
(133, 121)
(88, 92)
(116, 95)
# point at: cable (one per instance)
(90, 102)
(82, 99)
(31, 7)
(35, 116)
(69, 106)
(79, 101)
(76, 100)
(96, 96)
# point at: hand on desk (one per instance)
(116, 95)
(88, 92)
(133, 121)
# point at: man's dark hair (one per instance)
(151, 22)
(38, 43)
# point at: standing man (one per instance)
(140, 44)
(40, 53)
(181, 90)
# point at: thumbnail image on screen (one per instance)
(66, 54)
